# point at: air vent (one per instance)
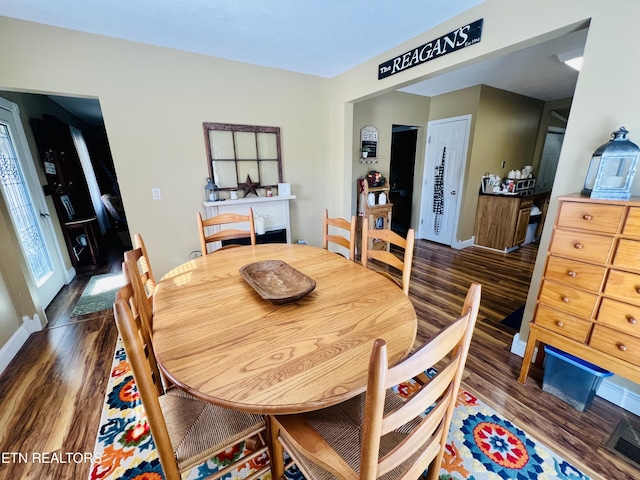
(625, 442)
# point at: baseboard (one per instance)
(610, 389)
(69, 275)
(17, 340)
(625, 398)
(460, 244)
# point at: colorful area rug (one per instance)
(99, 294)
(481, 444)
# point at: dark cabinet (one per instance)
(68, 188)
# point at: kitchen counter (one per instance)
(502, 220)
(524, 193)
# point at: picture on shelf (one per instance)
(66, 202)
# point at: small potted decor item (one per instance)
(375, 179)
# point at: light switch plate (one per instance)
(155, 193)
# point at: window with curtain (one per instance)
(90, 176)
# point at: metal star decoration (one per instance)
(249, 187)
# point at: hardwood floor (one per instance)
(51, 395)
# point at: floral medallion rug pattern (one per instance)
(481, 444)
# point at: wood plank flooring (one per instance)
(52, 393)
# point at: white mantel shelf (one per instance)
(245, 200)
(274, 210)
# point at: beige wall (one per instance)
(154, 101)
(596, 109)
(506, 129)
(504, 126)
(383, 112)
(15, 287)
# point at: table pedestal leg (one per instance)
(276, 452)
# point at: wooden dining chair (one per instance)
(386, 257)
(139, 256)
(185, 430)
(221, 234)
(377, 435)
(127, 294)
(329, 235)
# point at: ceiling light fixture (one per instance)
(573, 58)
(575, 63)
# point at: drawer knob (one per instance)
(587, 217)
(638, 290)
(578, 246)
(622, 348)
(560, 324)
(566, 299)
(632, 320)
(572, 273)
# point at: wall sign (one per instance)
(460, 38)
(369, 142)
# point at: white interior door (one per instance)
(550, 157)
(25, 201)
(443, 177)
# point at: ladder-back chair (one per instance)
(377, 435)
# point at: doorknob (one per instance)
(44, 215)
(453, 192)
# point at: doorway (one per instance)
(443, 177)
(401, 172)
(550, 157)
(27, 207)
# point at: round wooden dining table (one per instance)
(215, 336)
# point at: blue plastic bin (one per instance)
(570, 378)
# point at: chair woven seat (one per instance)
(341, 427)
(199, 430)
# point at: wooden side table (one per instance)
(378, 216)
(81, 239)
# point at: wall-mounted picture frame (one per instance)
(66, 203)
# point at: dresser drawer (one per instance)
(575, 274)
(627, 254)
(620, 315)
(590, 216)
(632, 225)
(569, 300)
(623, 286)
(581, 246)
(615, 343)
(559, 322)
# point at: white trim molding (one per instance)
(10, 349)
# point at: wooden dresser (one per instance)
(589, 301)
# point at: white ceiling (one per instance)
(316, 37)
